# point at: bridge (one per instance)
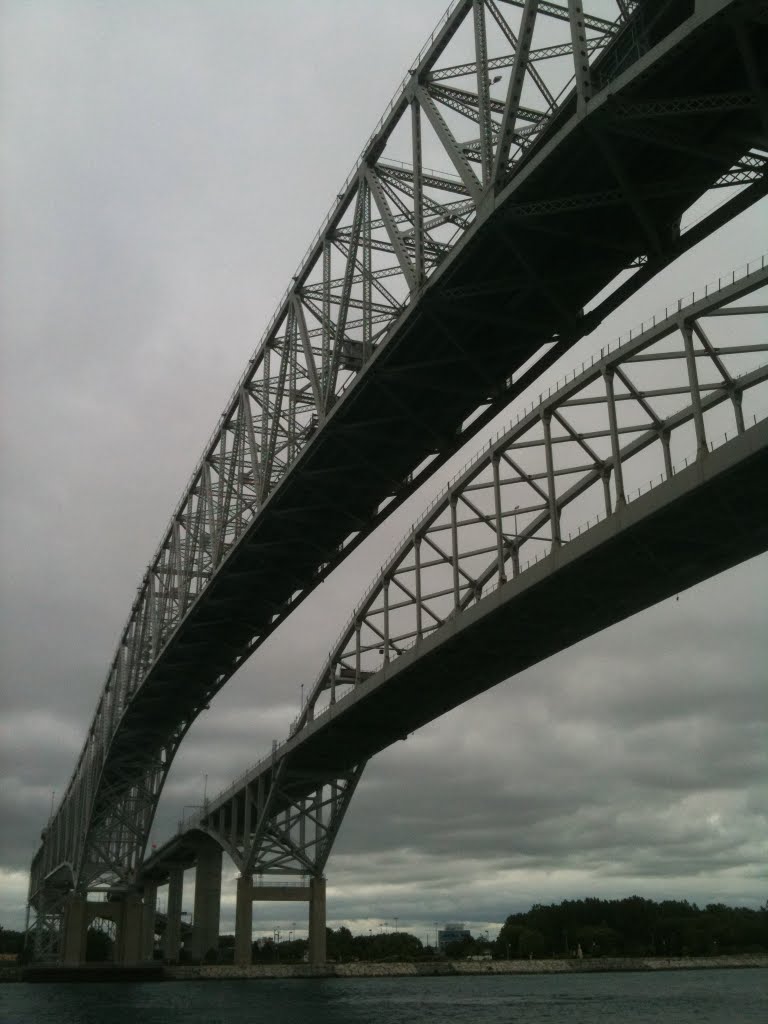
(643, 474)
(430, 298)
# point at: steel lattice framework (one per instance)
(625, 423)
(631, 422)
(511, 137)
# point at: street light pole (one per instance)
(516, 553)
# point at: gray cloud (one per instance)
(163, 170)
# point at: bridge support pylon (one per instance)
(75, 928)
(130, 930)
(148, 929)
(247, 893)
(317, 945)
(205, 927)
(244, 921)
(172, 937)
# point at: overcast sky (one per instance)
(164, 167)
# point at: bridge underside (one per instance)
(618, 181)
(708, 518)
(602, 190)
(275, 820)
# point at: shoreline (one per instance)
(460, 968)
(420, 969)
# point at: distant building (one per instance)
(452, 933)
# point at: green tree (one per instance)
(98, 946)
(531, 942)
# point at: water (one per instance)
(675, 997)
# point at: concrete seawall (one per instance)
(456, 968)
(440, 968)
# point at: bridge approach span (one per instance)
(663, 441)
(421, 301)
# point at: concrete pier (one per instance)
(244, 920)
(75, 930)
(129, 916)
(130, 930)
(172, 937)
(317, 944)
(148, 929)
(248, 893)
(205, 922)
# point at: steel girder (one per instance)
(395, 243)
(620, 425)
(688, 385)
(276, 819)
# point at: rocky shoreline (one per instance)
(455, 968)
(422, 969)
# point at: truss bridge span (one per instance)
(535, 155)
(643, 474)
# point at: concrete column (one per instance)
(205, 927)
(317, 920)
(130, 930)
(75, 930)
(172, 937)
(244, 921)
(148, 929)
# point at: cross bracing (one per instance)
(616, 438)
(625, 422)
(487, 209)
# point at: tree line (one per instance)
(633, 927)
(592, 927)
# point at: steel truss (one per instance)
(620, 425)
(280, 820)
(493, 86)
(689, 381)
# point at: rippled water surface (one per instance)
(703, 997)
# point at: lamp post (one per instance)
(516, 555)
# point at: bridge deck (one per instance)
(457, 343)
(707, 518)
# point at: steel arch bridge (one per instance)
(644, 472)
(449, 272)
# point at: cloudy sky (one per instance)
(164, 167)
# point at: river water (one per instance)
(674, 997)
